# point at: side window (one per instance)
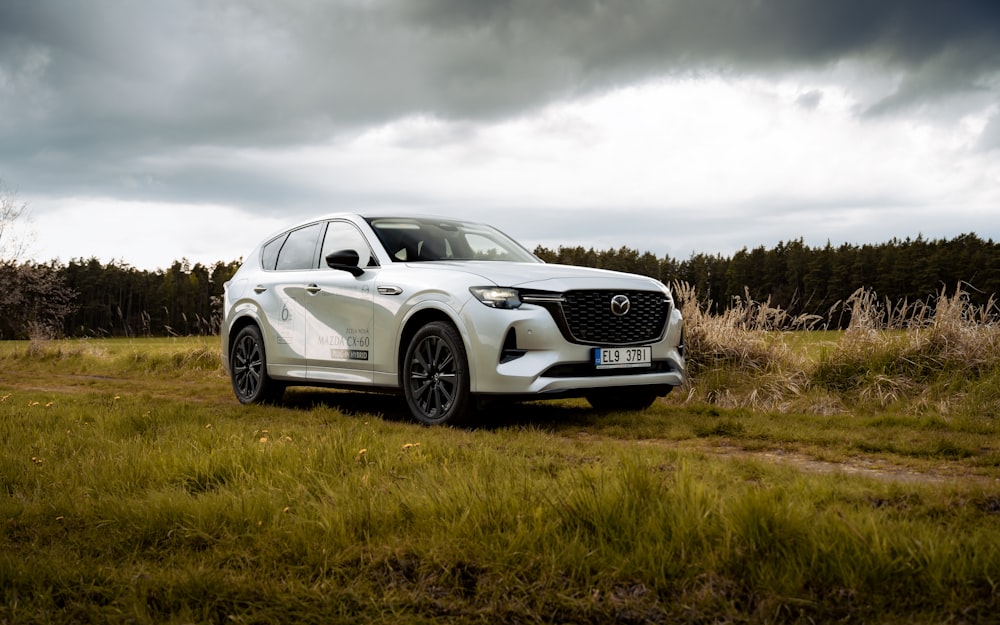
(299, 250)
(341, 235)
(269, 255)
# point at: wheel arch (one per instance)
(238, 324)
(418, 320)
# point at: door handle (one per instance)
(260, 288)
(313, 289)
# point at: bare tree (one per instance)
(13, 245)
(34, 298)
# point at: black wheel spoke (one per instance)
(445, 392)
(420, 392)
(422, 361)
(438, 402)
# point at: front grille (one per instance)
(586, 317)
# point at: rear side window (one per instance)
(269, 255)
(299, 249)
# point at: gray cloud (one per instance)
(990, 139)
(810, 100)
(90, 91)
(946, 46)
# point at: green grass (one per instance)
(134, 489)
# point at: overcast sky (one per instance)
(146, 132)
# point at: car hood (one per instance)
(546, 277)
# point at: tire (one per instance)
(622, 399)
(436, 375)
(248, 369)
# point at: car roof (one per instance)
(379, 213)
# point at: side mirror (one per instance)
(345, 260)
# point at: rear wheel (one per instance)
(436, 375)
(248, 367)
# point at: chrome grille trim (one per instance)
(542, 298)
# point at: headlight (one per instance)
(497, 296)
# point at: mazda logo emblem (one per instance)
(620, 305)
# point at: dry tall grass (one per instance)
(733, 357)
(923, 354)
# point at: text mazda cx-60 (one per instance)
(446, 312)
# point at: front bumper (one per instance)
(522, 352)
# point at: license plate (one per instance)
(622, 357)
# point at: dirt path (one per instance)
(859, 465)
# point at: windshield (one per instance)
(409, 239)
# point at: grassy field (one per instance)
(788, 484)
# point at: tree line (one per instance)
(111, 299)
(805, 280)
(86, 297)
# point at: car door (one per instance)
(288, 262)
(340, 340)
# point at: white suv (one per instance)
(448, 313)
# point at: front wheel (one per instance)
(436, 375)
(248, 367)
